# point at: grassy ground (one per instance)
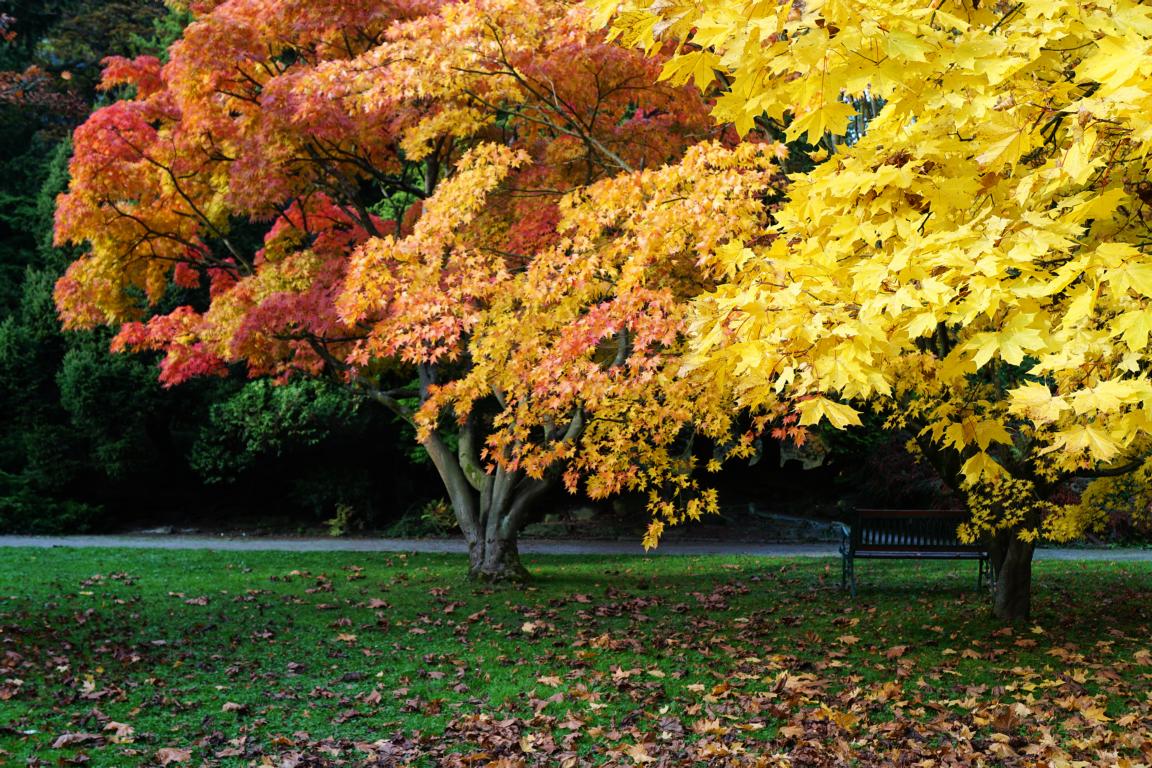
(116, 657)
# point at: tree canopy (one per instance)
(974, 263)
(482, 214)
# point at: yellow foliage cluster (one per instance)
(975, 263)
(1008, 503)
(1126, 498)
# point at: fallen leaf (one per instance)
(169, 755)
(65, 740)
(639, 753)
(121, 732)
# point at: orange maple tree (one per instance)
(462, 194)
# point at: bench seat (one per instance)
(914, 534)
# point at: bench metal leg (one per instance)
(848, 575)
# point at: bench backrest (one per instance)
(911, 529)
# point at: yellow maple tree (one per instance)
(973, 264)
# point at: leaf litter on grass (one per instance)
(390, 661)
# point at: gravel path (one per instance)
(527, 546)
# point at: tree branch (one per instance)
(468, 452)
(1114, 471)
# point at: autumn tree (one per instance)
(974, 267)
(458, 208)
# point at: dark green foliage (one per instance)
(63, 42)
(90, 438)
(73, 36)
(315, 443)
(54, 389)
(23, 224)
(264, 419)
(166, 30)
(109, 399)
(23, 508)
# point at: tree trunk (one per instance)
(503, 502)
(1012, 596)
(491, 508)
(495, 559)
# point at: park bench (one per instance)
(907, 534)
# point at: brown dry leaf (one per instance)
(710, 727)
(791, 731)
(887, 692)
(291, 760)
(570, 723)
(169, 755)
(549, 680)
(121, 732)
(65, 740)
(848, 639)
(231, 706)
(639, 753)
(10, 688)
(895, 651)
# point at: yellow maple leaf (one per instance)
(816, 409)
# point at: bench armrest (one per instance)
(845, 538)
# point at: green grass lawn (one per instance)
(124, 657)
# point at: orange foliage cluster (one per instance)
(469, 188)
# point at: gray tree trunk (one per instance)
(491, 507)
(495, 560)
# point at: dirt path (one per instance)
(527, 546)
